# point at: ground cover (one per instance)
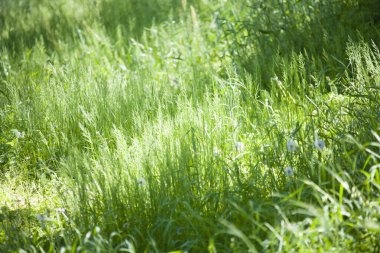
(189, 126)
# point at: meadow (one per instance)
(189, 126)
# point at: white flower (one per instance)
(141, 181)
(123, 67)
(61, 210)
(41, 217)
(289, 171)
(291, 145)
(216, 152)
(319, 144)
(175, 84)
(18, 134)
(239, 146)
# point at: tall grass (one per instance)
(187, 129)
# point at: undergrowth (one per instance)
(191, 126)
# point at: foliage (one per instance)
(191, 126)
(261, 33)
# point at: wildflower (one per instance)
(175, 84)
(141, 182)
(289, 171)
(18, 134)
(41, 217)
(61, 210)
(239, 146)
(291, 145)
(216, 152)
(319, 144)
(123, 67)
(179, 231)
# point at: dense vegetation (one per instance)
(189, 126)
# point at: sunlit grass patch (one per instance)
(195, 127)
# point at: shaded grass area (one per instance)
(198, 126)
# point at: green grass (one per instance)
(189, 126)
